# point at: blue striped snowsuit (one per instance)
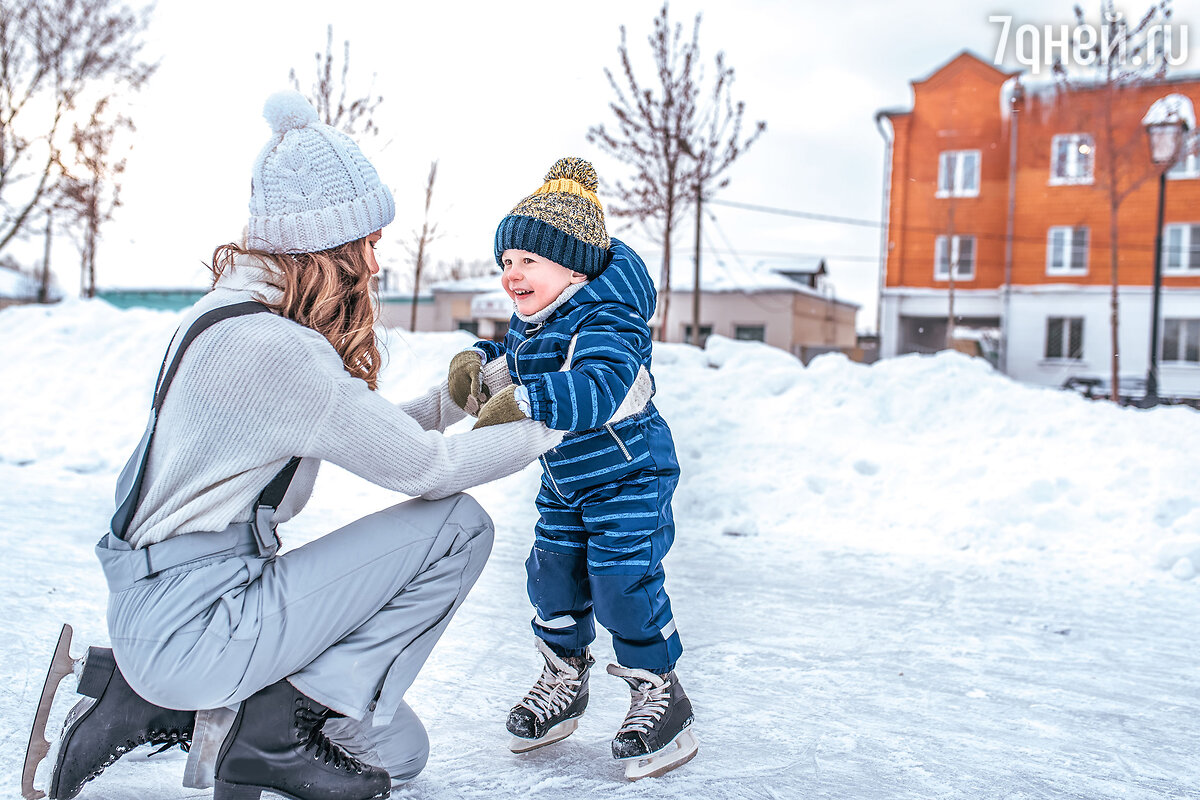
(605, 499)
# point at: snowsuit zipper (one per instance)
(624, 451)
(517, 368)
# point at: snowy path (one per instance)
(832, 674)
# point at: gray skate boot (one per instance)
(550, 710)
(657, 736)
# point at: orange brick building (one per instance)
(1010, 180)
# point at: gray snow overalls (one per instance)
(204, 620)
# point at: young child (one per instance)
(578, 355)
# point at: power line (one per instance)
(941, 231)
(789, 212)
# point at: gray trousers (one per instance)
(348, 619)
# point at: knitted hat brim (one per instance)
(519, 232)
(324, 228)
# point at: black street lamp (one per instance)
(1166, 123)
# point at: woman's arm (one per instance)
(373, 438)
(434, 410)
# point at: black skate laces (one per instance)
(170, 738)
(322, 746)
(646, 706)
(553, 691)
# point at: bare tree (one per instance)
(354, 117)
(91, 187)
(420, 244)
(1125, 56)
(678, 143)
(458, 269)
(55, 55)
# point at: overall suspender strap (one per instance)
(129, 485)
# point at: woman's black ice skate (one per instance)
(657, 736)
(107, 723)
(276, 745)
(550, 710)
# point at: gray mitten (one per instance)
(465, 380)
(500, 409)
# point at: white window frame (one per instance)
(951, 165)
(1064, 251)
(1074, 151)
(1184, 339)
(961, 273)
(1186, 167)
(1065, 323)
(1181, 240)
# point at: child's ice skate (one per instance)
(550, 710)
(657, 736)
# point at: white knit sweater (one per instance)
(253, 391)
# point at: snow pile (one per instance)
(914, 455)
(1170, 109)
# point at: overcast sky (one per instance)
(497, 91)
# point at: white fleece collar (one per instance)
(539, 317)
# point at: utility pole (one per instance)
(696, 277)
(44, 289)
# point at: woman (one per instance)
(202, 613)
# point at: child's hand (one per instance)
(467, 389)
(500, 409)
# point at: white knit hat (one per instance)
(312, 188)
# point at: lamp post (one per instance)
(1166, 123)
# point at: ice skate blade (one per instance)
(679, 751)
(61, 665)
(556, 734)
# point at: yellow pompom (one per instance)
(574, 169)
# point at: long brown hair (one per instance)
(328, 291)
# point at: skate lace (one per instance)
(552, 692)
(646, 706)
(322, 746)
(170, 738)
(167, 738)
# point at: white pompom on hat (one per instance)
(312, 188)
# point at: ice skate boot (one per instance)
(657, 736)
(109, 722)
(550, 710)
(276, 745)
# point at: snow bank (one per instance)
(912, 455)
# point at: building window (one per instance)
(1181, 341)
(705, 332)
(1071, 157)
(1064, 338)
(1187, 166)
(471, 326)
(962, 251)
(1181, 249)
(751, 333)
(958, 173)
(1067, 251)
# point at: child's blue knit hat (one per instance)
(562, 221)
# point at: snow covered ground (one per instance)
(911, 580)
